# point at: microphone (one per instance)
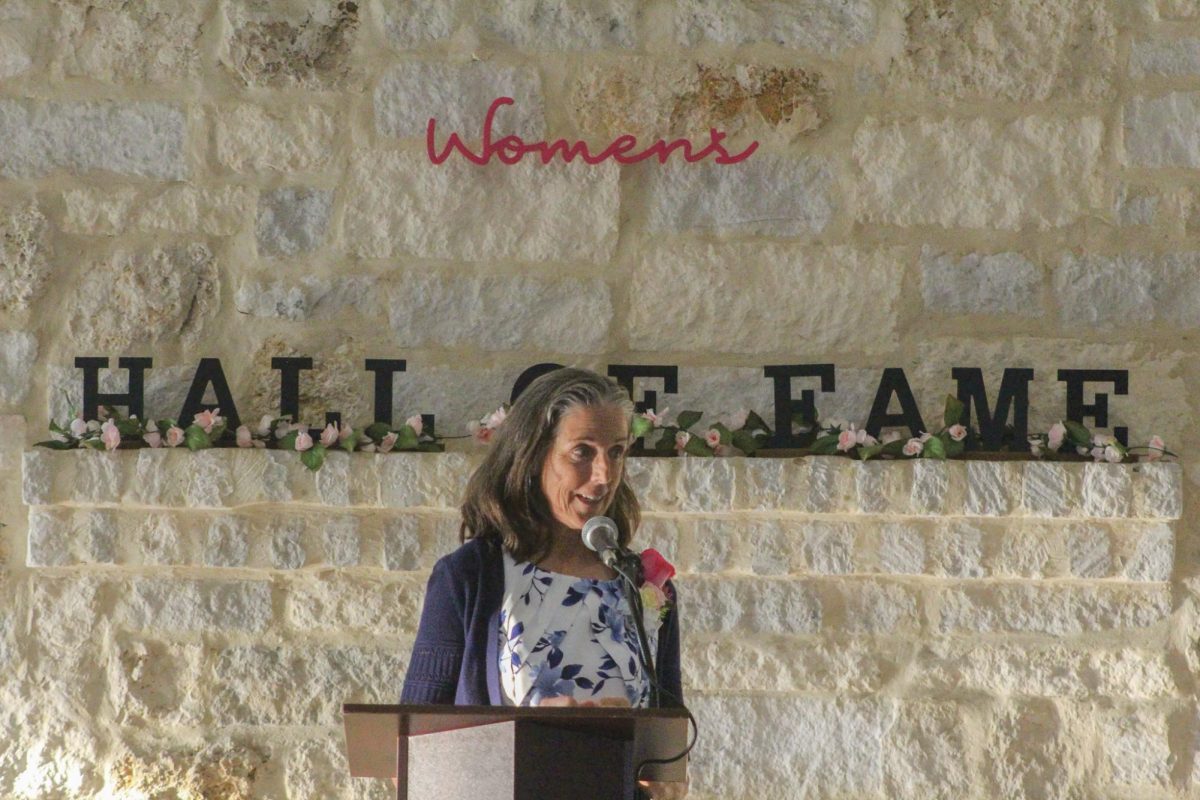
(600, 535)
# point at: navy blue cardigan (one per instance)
(454, 658)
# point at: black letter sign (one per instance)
(1077, 410)
(787, 406)
(209, 372)
(1013, 397)
(133, 400)
(893, 382)
(384, 369)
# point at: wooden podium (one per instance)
(494, 752)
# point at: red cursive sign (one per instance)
(623, 150)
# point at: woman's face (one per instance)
(584, 465)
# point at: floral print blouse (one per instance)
(561, 635)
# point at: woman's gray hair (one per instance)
(504, 502)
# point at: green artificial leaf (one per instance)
(130, 427)
(869, 451)
(666, 442)
(934, 448)
(725, 434)
(289, 442)
(94, 444)
(195, 438)
(754, 423)
(895, 448)
(954, 448)
(745, 442)
(218, 432)
(53, 444)
(687, 419)
(406, 438)
(56, 428)
(350, 442)
(113, 414)
(825, 445)
(799, 420)
(696, 446)
(954, 411)
(313, 457)
(377, 430)
(640, 427)
(1077, 434)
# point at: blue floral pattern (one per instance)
(562, 636)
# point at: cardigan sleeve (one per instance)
(670, 675)
(433, 669)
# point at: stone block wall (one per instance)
(938, 184)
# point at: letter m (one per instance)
(1013, 399)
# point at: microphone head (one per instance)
(600, 533)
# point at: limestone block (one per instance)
(158, 540)
(1089, 551)
(1022, 50)
(774, 547)
(501, 313)
(152, 682)
(218, 211)
(1161, 131)
(221, 768)
(1170, 57)
(334, 603)
(828, 547)
(49, 538)
(1136, 748)
(403, 548)
(272, 685)
(333, 479)
(100, 536)
(458, 97)
(63, 614)
(14, 58)
(291, 45)
(572, 25)
(311, 297)
(37, 477)
(956, 550)
(926, 753)
(826, 27)
(707, 484)
(679, 310)
(879, 608)
(774, 484)
(1047, 489)
(930, 487)
(993, 488)
(881, 487)
(1153, 556)
(1107, 490)
(833, 747)
(317, 768)
(1158, 490)
(1128, 290)
(1031, 172)
(343, 542)
(23, 249)
(411, 480)
(1036, 748)
(226, 544)
(901, 549)
(410, 23)
(1137, 205)
(186, 293)
(830, 484)
(287, 544)
(403, 204)
(1054, 610)
(150, 43)
(766, 194)
(251, 138)
(738, 664)
(293, 220)
(165, 388)
(752, 605)
(981, 283)
(655, 481)
(715, 541)
(143, 138)
(180, 606)
(97, 476)
(209, 478)
(665, 536)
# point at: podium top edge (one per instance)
(515, 712)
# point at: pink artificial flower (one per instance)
(957, 432)
(713, 438)
(497, 417)
(480, 432)
(78, 427)
(303, 441)
(681, 439)
(913, 447)
(284, 428)
(329, 436)
(174, 436)
(1156, 448)
(1112, 455)
(264, 425)
(862, 437)
(415, 423)
(1054, 438)
(847, 440)
(244, 438)
(1035, 448)
(344, 430)
(101, 413)
(110, 435)
(656, 569)
(658, 420)
(207, 419)
(388, 442)
(153, 438)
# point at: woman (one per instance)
(523, 613)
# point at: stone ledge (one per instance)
(231, 478)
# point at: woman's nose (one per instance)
(601, 470)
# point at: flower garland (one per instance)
(208, 429)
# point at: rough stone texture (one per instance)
(23, 249)
(753, 605)
(173, 605)
(128, 43)
(1058, 611)
(1044, 490)
(458, 98)
(1160, 131)
(226, 544)
(165, 389)
(1106, 490)
(499, 313)
(252, 138)
(1153, 557)
(342, 542)
(1089, 551)
(747, 102)
(186, 291)
(1136, 749)
(144, 139)
(573, 25)
(1164, 57)
(1159, 490)
(824, 27)
(291, 44)
(1032, 172)
(1129, 290)
(293, 220)
(999, 283)
(1022, 50)
(403, 204)
(311, 297)
(765, 195)
(1038, 750)
(18, 354)
(417, 21)
(177, 209)
(14, 59)
(990, 488)
(333, 604)
(926, 754)
(698, 289)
